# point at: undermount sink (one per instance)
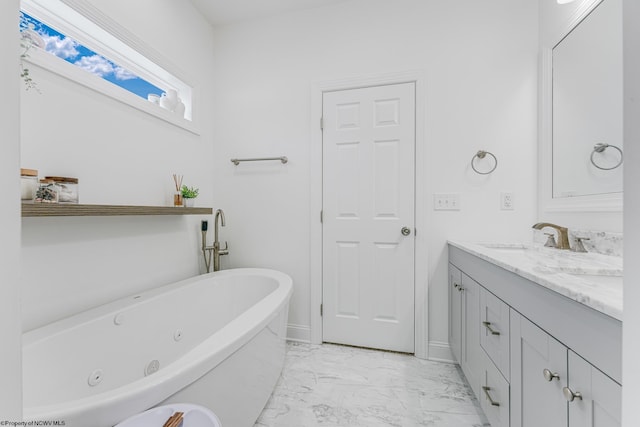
(580, 270)
(602, 279)
(551, 260)
(506, 247)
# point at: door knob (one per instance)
(405, 231)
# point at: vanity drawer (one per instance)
(495, 398)
(494, 330)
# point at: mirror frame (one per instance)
(610, 202)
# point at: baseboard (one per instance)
(440, 351)
(298, 333)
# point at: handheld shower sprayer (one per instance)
(206, 251)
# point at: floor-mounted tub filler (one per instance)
(216, 340)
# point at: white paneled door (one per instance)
(368, 217)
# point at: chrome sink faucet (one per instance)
(217, 251)
(563, 234)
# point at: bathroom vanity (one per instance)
(538, 333)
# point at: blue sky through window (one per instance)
(71, 51)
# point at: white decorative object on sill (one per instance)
(169, 100)
(180, 108)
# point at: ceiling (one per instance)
(221, 12)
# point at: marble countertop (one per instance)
(591, 279)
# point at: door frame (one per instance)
(418, 77)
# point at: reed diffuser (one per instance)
(177, 196)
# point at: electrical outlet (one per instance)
(506, 201)
(446, 202)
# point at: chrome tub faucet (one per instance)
(214, 251)
(217, 251)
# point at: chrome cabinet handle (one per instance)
(455, 285)
(570, 395)
(405, 231)
(486, 393)
(550, 376)
(490, 329)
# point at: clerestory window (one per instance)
(73, 52)
(54, 27)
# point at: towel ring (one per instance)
(599, 148)
(481, 154)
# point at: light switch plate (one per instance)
(446, 201)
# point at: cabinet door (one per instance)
(455, 312)
(471, 361)
(600, 402)
(494, 330)
(539, 372)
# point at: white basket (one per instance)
(194, 416)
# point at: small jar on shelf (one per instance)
(47, 192)
(28, 183)
(67, 188)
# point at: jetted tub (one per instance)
(216, 340)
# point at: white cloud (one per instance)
(122, 74)
(95, 64)
(63, 48)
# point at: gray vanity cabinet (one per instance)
(527, 351)
(552, 386)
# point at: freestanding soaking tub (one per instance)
(217, 340)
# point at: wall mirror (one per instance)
(582, 101)
(587, 105)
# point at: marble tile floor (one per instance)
(332, 385)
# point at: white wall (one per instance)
(480, 59)
(10, 328)
(121, 156)
(631, 345)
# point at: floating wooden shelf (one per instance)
(53, 209)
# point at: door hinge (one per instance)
(321, 123)
(321, 216)
(320, 309)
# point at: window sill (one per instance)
(71, 72)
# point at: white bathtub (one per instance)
(218, 339)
